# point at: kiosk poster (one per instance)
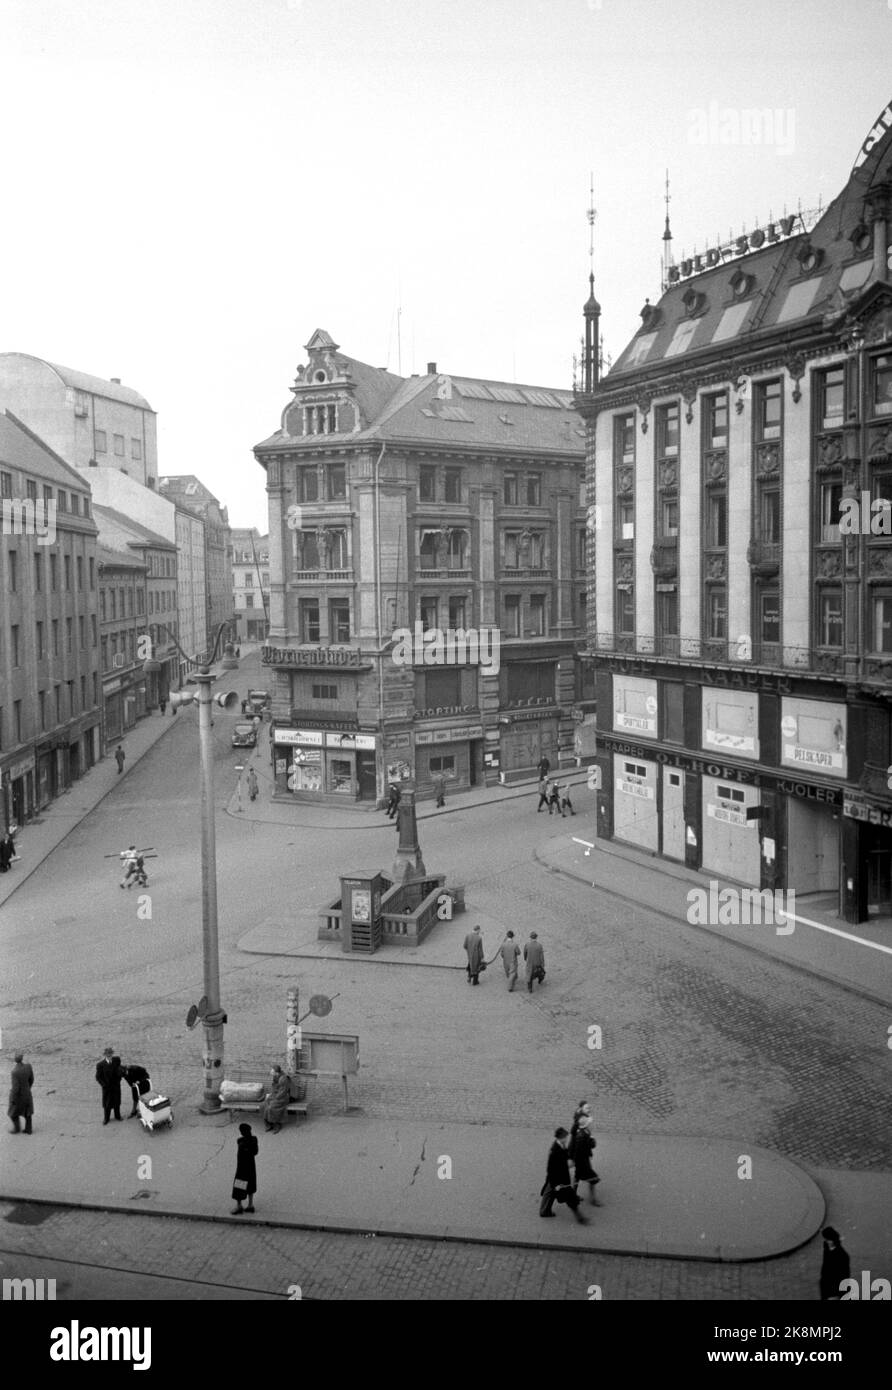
(361, 911)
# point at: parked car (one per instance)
(258, 702)
(244, 736)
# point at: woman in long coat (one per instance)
(276, 1107)
(21, 1105)
(245, 1182)
(582, 1146)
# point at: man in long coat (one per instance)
(473, 944)
(275, 1109)
(557, 1186)
(21, 1105)
(835, 1265)
(108, 1074)
(509, 953)
(534, 956)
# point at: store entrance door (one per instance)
(879, 870)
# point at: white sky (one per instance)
(191, 187)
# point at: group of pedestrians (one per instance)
(110, 1073)
(510, 952)
(576, 1148)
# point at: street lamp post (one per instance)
(213, 1017)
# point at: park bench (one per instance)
(243, 1075)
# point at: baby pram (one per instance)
(154, 1110)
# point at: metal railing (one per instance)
(739, 652)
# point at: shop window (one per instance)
(337, 481)
(534, 489)
(510, 483)
(831, 397)
(881, 384)
(309, 620)
(339, 619)
(443, 764)
(340, 775)
(768, 410)
(511, 607)
(453, 484)
(427, 484)
(830, 618)
(882, 622)
(672, 694)
(324, 692)
(831, 502)
(427, 612)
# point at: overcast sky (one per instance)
(191, 187)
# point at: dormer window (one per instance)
(809, 257)
(694, 302)
(650, 315)
(742, 284)
(861, 239)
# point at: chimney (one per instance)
(432, 369)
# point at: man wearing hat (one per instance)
(834, 1266)
(534, 956)
(557, 1186)
(108, 1074)
(21, 1106)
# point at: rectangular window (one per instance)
(625, 514)
(41, 698)
(427, 484)
(103, 653)
(75, 504)
(92, 574)
(881, 384)
(768, 410)
(534, 489)
(13, 571)
(537, 615)
(337, 481)
(81, 632)
(512, 550)
(14, 644)
(769, 616)
(625, 611)
(453, 484)
(119, 445)
(831, 503)
(17, 720)
(93, 630)
(716, 421)
(831, 398)
(66, 560)
(100, 444)
(624, 439)
(69, 630)
(510, 489)
(457, 609)
(669, 518)
(325, 692)
(249, 600)
(309, 620)
(673, 711)
(717, 614)
(5, 485)
(511, 605)
(339, 619)
(882, 623)
(769, 515)
(667, 613)
(30, 490)
(136, 450)
(308, 484)
(38, 629)
(249, 579)
(55, 632)
(667, 430)
(80, 572)
(86, 507)
(427, 612)
(337, 553)
(716, 519)
(38, 573)
(581, 549)
(830, 617)
(443, 764)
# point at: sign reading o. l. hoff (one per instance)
(311, 656)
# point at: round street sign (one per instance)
(192, 1017)
(320, 1005)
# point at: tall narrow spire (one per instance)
(667, 242)
(592, 310)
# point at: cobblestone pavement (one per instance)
(106, 1256)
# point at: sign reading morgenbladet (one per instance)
(748, 241)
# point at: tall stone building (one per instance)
(49, 640)
(739, 478)
(249, 554)
(189, 494)
(427, 578)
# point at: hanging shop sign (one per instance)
(861, 810)
(456, 735)
(312, 656)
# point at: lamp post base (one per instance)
(212, 1059)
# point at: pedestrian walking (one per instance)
(581, 1147)
(835, 1266)
(440, 789)
(140, 1084)
(566, 803)
(162, 705)
(7, 849)
(394, 798)
(244, 1184)
(252, 784)
(108, 1074)
(119, 758)
(21, 1104)
(557, 1186)
(544, 768)
(554, 798)
(473, 945)
(244, 706)
(534, 955)
(275, 1107)
(510, 954)
(544, 790)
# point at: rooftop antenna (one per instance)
(667, 242)
(592, 214)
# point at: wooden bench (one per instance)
(247, 1074)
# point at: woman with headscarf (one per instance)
(244, 1184)
(276, 1107)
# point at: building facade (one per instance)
(158, 558)
(189, 494)
(192, 603)
(49, 637)
(740, 623)
(427, 579)
(250, 583)
(89, 422)
(122, 621)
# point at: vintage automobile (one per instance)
(244, 735)
(258, 702)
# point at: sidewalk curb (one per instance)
(385, 1233)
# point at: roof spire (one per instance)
(667, 241)
(592, 310)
